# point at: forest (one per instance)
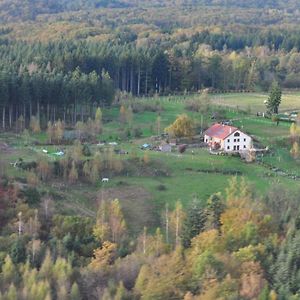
(45, 63)
(236, 246)
(84, 85)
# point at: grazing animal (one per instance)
(105, 179)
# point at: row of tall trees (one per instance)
(50, 95)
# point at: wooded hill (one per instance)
(49, 48)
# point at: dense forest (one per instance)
(79, 58)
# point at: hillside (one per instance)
(18, 10)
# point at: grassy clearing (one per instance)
(144, 197)
(254, 102)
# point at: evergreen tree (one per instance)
(274, 99)
(194, 222)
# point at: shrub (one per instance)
(32, 196)
(137, 132)
(161, 187)
(86, 150)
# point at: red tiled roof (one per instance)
(220, 131)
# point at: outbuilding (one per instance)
(165, 147)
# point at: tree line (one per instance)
(67, 79)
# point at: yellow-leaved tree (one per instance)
(182, 127)
(110, 224)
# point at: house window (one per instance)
(237, 134)
(238, 147)
(228, 140)
(234, 140)
(206, 140)
(244, 146)
(238, 140)
(234, 148)
(228, 147)
(244, 140)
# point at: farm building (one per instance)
(227, 138)
(165, 147)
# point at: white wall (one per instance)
(233, 142)
(237, 143)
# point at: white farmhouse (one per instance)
(227, 138)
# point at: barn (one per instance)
(227, 138)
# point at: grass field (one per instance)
(254, 102)
(190, 175)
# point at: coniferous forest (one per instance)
(49, 50)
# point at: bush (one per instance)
(137, 132)
(86, 150)
(139, 107)
(161, 187)
(32, 196)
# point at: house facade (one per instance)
(227, 138)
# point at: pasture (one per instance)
(192, 175)
(254, 102)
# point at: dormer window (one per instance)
(237, 134)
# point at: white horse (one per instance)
(105, 179)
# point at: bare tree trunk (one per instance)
(38, 110)
(3, 117)
(71, 114)
(123, 80)
(167, 223)
(10, 116)
(64, 115)
(30, 109)
(131, 79)
(146, 83)
(20, 223)
(24, 114)
(139, 81)
(48, 112)
(177, 228)
(17, 113)
(75, 113)
(144, 240)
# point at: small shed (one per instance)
(145, 146)
(165, 147)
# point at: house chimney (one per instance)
(230, 130)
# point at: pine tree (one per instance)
(75, 293)
(214, 209)
(194, 222)
(274, 99)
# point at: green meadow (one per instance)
(192, 175)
